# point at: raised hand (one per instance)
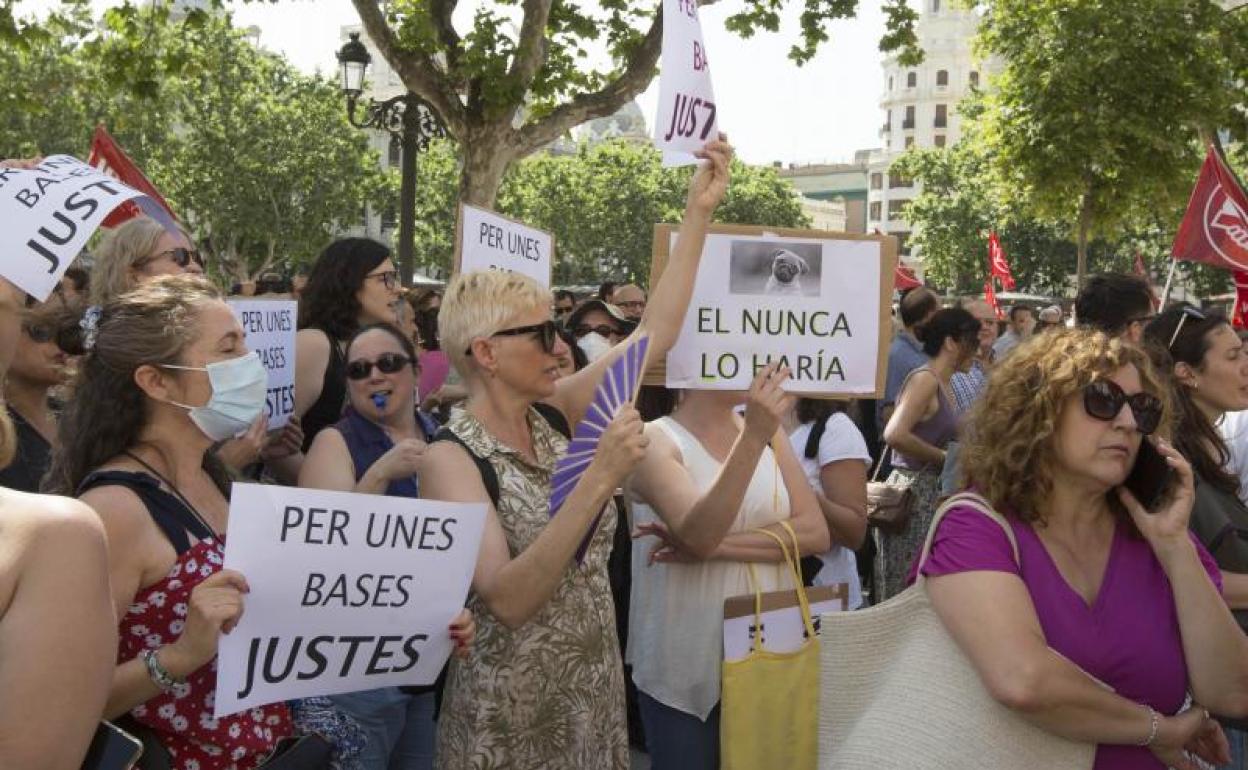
(710, 181)
(215, 607)
(621, 447)
(767, 402)
(1166, 527)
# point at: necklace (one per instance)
(173, 488)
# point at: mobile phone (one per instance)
(1150, 477)
(112, 749)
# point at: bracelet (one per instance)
(158, 673)
(1154, 723)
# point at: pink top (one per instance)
(434, 367)
(1129, 638)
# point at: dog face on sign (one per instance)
(787, 270)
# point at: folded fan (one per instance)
(618, 387)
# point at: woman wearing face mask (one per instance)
(169, 374)
(376, 449)
(1208, 377)
(921, 426)
(354, 283)
(598, 327)
(38, 367)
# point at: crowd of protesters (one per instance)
(131, 402)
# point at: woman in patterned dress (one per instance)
(543, 688)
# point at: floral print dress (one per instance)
(549, 694)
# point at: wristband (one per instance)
(158, 673)
(1154, 723)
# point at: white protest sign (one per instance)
(46, 216)
(348, 592)
(781, 620)
(270, 328)
(686, 116)
(815, 302)
(485, 240)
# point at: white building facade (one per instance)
(920, 109)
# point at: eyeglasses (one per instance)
(547, 333)
(386, 363)
(180, 257)
(601, 329)
(1188, 312)
(635, 304)
(1104, 399)
(388, 277)
(39, 333)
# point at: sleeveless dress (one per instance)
(676, 616)
(183, 718)
(329, 406)
(550, 694)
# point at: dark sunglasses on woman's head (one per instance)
(547, 333)
(1188, 312)
(182, 257)
(387, 363)
(601, 329)
(1104, 399)
(390, 278)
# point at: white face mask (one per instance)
(239, 388)
(594, 345)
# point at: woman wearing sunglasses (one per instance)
(1128, 596)
(544, 686)
(376, 448)
(38, 367)
(1208, 370)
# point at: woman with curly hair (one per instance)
(353, 284)
(1100, 586)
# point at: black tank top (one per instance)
(329, 407)
(170, 514)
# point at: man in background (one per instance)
(1022, 323)
(630, 299)
(1118, 304)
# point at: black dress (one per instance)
(34, 455)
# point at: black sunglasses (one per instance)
(1188, 312)
(601, 329)
(386, 363)
(547, 333)
(182, 257)
(1104, 399)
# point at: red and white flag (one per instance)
(1215, 228)
(904, 278)
(990, 297)
(998, 266)
(107, 156)
(1239, 319)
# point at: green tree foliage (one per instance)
(601, 204)
(1093, 120)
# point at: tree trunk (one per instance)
(1085, 224)
(485, 158)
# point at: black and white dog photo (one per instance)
(787, 270)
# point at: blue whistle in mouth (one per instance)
(379, 401)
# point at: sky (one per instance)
(772, 109)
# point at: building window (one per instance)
(912, 79)
(909, 121)
(890, 82)
(909, 142)
(874, 215)
(940, 140)
(897, 180)
(942, 116)
(935, 6)
(877, 181)
(396, 152)
(974, 79)
(895, 208)
(942, 77)
(390, 217)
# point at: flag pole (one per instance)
(1165, 293)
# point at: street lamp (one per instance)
(407, 118)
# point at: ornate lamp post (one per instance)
(407, 118)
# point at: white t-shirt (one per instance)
(1234, 430)
(841, 440)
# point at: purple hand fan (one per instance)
(618, 387)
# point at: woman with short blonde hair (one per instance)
(139, 248)
(544, 686)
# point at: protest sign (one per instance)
(485, 240)
(686, 116)
(816, 302)
(348, 592)
(269, 325)
(46, 216)
(781, 619)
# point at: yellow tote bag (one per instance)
(769, 713)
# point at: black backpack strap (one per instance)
(489, 478)
(811, 451)
(169, 513)
(555, 417)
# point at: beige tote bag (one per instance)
(897, 693)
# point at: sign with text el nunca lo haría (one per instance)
(269, 326)
(348, 592)
(816, 302)
(485, 240)
(46, 216)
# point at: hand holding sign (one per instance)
(767, 403)
(710, 181)
(215, 608)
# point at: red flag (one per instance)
(108, 156)
(904, 278)
(991, 297)
(998, 267)
(1240, 317)
(1215, 228)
